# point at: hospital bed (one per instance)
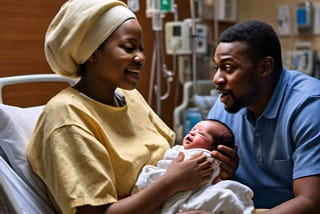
(21, 191)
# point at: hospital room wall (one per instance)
(267, 10)
(22, 30)
(23, 25)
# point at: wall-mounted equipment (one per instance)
(303, 57)
(316, 18)
(164, 6)
(284, 19)
(304, 16)
(156, 9)
(179, 39)
(225, 10)
(134, 5)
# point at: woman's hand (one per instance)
(189, 174)
(229, 160)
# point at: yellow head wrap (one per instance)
(78, 29)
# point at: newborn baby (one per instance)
(218, 195)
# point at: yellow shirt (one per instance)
(87, 152)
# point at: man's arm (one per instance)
(307, 198)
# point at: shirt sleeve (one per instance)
(306, 135)
(78, 172)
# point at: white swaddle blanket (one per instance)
(223, 197)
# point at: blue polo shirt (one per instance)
(282, 144)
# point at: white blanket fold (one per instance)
(228, 196)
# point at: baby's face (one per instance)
(199, 136)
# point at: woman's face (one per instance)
(119, 61)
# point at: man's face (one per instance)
(237, 78)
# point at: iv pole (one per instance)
(159, 70)
(157, 15)
(153, 11)
(194, 45)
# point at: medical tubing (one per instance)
(194, 45)
(153, 64)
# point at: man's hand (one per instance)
(229, 160)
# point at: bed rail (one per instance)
(32, 78)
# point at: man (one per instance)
(274, 114)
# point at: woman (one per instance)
(92, 140)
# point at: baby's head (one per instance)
(208, 134)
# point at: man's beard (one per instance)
(235, 107)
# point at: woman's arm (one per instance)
(180, 176)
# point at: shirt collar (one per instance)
(273, 106)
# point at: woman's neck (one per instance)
(102, 95)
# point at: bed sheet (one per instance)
(23, 198)
(22, 187)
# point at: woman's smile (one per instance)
(134, 73)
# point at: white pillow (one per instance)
(16, 129)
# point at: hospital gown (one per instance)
(87, 152)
